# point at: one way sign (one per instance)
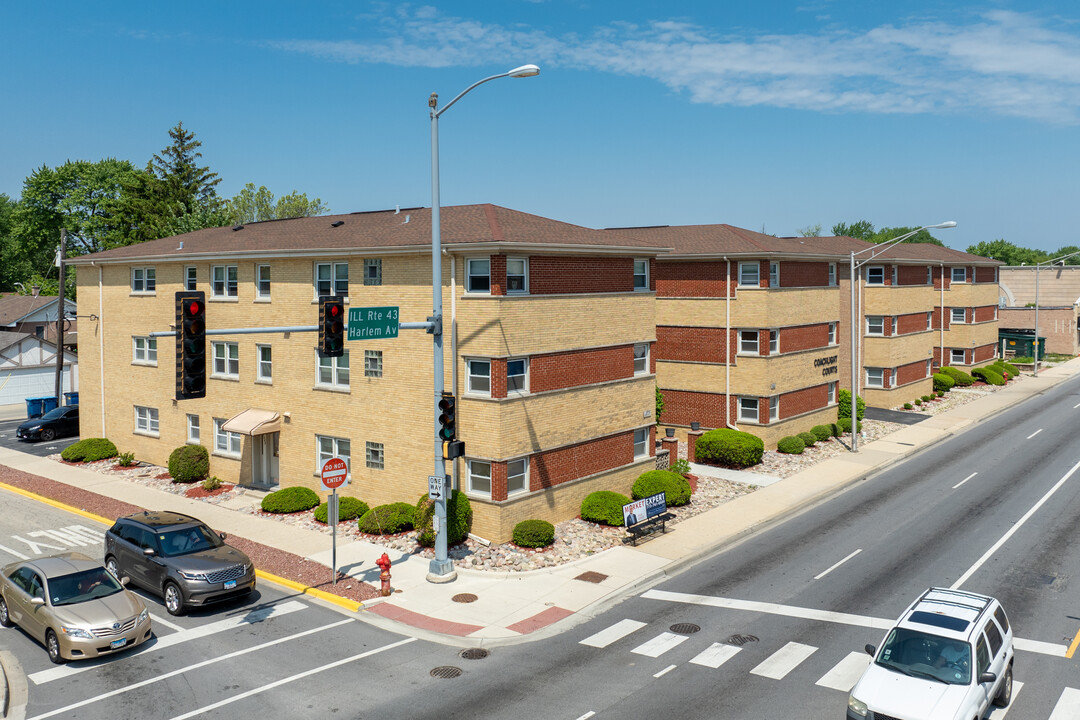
(436, 487)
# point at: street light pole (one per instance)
(857, 322)
(441, 569)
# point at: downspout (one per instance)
(727, 348)
(453, 350)
(101, 344)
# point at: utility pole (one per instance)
(60, 321)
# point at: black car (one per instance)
(178, 558)
(53, 424)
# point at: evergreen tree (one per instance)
(188, 187)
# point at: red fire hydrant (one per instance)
(384, 576)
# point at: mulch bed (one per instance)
(693, 480)
(198, 492)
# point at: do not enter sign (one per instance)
(334, 472)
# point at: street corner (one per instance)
(13, 687)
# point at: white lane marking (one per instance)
(1016, 526)
(158, 620)
(609, 635)
(1034, 434)
(665, 671)
(783, 661)
(715, 655)
(1076, 406)
(1000, 713)
(1034, 646)
(18, 555)
(254, 616)
(189, 668)
(293, 678)
(660, 644)
(845, 673)
(587, 715)
(964, 480)
(1068, 705)
(36, 547)
(821, 575)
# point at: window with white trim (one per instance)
(832, 333)
(478, 377)
(895, 275)
(333, 371)
(226, 443)
(959, 274)
(517, 476)
(958, 315)
(265, 372)
(327, 447)
(957, 357)
(929, 371)
(373, 271)
(641, 359)
(479, 477)
(332, 279)
(833, 386)
(517, 376)
(875, 275)
(641, 442)
(875, 377)
(373, 363)
(226, 360)
(929, 275)
(223, 281)
(146, 420)
(374, 455)
(748, 409)
(517, 275)
(875, 325)
(143, 280)
(144, 351)
(191, 278)
(929, 321)
(832, 274)
(748, 342)
(774, 408)
(478, 275)
(193, 429)
(262, 282)
(774, 274)
(749, 274)
(641, 274)
(774, 342)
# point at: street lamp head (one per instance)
(949, 224)
(524, 71)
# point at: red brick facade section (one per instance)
(804, 274)
(682, 407)
(911, 373)
(554, 467)
(985, 353)
(803, 401)
(804, 337)
(985, 313)
(550, 275)
(693, 279)
(498, 481)
(938, 279)
(697, 344)
(911, 323)
(985, 275)
(886, 378)
(763, 273)
(498, 378)
(938, 315)
(911, 275)
(498, 274)
(580, 367)
(763, 341)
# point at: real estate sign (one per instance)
(641, 510)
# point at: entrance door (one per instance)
(264, 465)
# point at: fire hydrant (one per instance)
(384, 576)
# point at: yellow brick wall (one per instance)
(756, 307)
(899, 300)
(971, 295)
(894, 397)
(969, 336)
(898, 349)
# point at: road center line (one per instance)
(964, 480)
(818, 577)
(1034, 434)
(189, 668)
(1019, 523)
(665, 671)
(1072, 645)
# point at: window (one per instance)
(748, 342)
(641, 359)
(373, 271)
(1001, 618)
(143, 280)
(479, 377)
(895, 274)
(832, 274)
(144, 350)
(517, 380)
(479, 477)
(774, 274)
(374, 455)
(832, 333)
(334, 371)
(330, 447)
(193, 429)
(875, 377)
(331, 279)
(929, 369)
(749, 274)
(875, 275)
(226, 360)
(641, 442)
(190, 278)
(957, 357)
(517, 275)
(958, 315)
(959, 274)
(774, 342)
(875, 325)
(478, 275)
(146, 420)
(929, 321)
(641, 274)
(225, 442)
(832, 392)
(517, 476)
(262, 282)
(266, 366)
(223, 281)
(982, 657)
(774, 408)
(748, 409)
(929, 275)
(373, 363)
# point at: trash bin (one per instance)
(71, 398)
(33, 407)
(48, 403)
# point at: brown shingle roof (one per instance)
(14, 307)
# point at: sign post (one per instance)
(335, 474)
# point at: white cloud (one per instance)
(1005, 63)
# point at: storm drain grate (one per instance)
(446, 672)
(740, 640)
(592, 577)
(464, 598)
(474, 653)
(685, 628)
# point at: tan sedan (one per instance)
(73, 606)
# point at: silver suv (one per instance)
(949, 657)
(178, 558)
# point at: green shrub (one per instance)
(458, 519)
(843, 405)
(927, 398)
(534, 533)
(387, 519)
(822, 432)
(290, 500)
(125, 459)
(348, 508)
(907, 406)
(808, 438)
(604, 507)
(732, 448)
(836, 431)
(961, 378)
(1000, 369)
(189, 463)
(791, 445)
(1023, 360)
(939, 393)
(681, 466)
(211, 484)
(918, 401)
(674, 486)
(988, 376)
(90, 450)
(845, 425)
(942, 382)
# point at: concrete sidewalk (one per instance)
(518, 606)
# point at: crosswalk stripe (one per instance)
(845, 673)
(609, 635)
(1068, 705)
(784, 660)
(660, 644)
(1000, 713)
(715, 655)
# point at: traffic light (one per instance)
(190, 345)
(332, 326)
(447, 417)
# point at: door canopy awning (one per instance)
(253, 422)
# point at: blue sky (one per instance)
(766, 115)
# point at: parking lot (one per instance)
(41, 449)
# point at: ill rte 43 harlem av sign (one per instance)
(828, 365)
(373, 323)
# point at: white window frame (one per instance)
(477, 480)
(896, 275)
(641, 359)
(745, 274)
(929, 274)
(953, 313)
(328, 446)
(641, 443)
(774, 408)
(832, 333)
(953, 360)
(146, 421)
(929, 369)
(260, 293)
(930, 321)
(774, 274)
(641, 274)
(228, 283)
(332, 372)
(833, 387)
(264, 371)
(373, 367)
(144, 351)
(517, 481)
(475, 380)
(962, 271)
(191, 278)
(875, 377)
(744, 409)
(774, 342)
(875, 269)
(375, 455)
(335, 285)
(871, 320)
(524, 375)
(523, 284)
(472, 277)
(144, 280)
(743, 340)
(230, 360)
(194, 431)
(832, 274)
(373, 277)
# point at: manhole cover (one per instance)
(685, 628)
(445, 672)
(740, 640)
(474, 653)
(464, 598)
(592, 577)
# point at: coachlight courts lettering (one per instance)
(828, 365)
(373, 323)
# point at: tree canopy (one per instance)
(864, 230)
(251, 205)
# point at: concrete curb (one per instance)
(13, 688)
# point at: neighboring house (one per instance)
(1059, 304)
(28, 369)
(36, 314)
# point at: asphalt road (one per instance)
(39, 448)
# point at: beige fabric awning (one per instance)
(253, 422)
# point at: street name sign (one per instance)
(334, 474)
(373, 323)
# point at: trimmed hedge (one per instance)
(942, 382)
(90, 450)
(534, 533)
(1002, 370)
(961, 378)
(732, 448)
(674, 486)
(458, 519)
(791, 445)
(988, 375)
(927, 398)
(808, 438)
(836, 431)
(604, 507)
(189, 463)
(290, 500)
(845, 424)
(822, 432)
(843, 405)
(387, 519)
(1013, 370)
(907, 406)
(348, 508)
